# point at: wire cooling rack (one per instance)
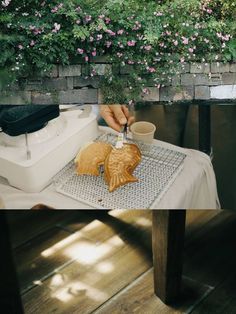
(157, 171)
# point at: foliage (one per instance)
(150, 39)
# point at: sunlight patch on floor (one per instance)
(78, 289)
(88, 253)
(70, 239)
(104, 267)
(144, 222)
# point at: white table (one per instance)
(194, 188)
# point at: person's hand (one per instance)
(116, 116)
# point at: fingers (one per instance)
(125, 111)
(130, 118)
(116, 116)
(108, 116)
(119, 114)
(112, 123)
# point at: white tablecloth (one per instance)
(194, 188)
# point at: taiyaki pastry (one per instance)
(91, 157)
(120, 165)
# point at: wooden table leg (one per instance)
(10, 300)
(168, 246)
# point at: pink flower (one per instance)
(88, 18)
(110, 32)
(130, 62)
(80, 51)
(108, 44)
(78, 9)
(99, 37)
(176, 42)
(191, 50)
(137, 26)
(78, 21)
(146, 91)
(209, 11)
(120, 31)
(86, 58)
(57, 27)
(107, 20)
(158, 13)
(94, 53)
(93, 72)
(119, 54)
(151, 69)
(6, 3)
(32, 43)
(206, 40)
(226, 37)
(37, 31)
(185, 40)
(91, 39)
(148, 47)
(182, 60)
(131, 43)
(54, 10)
(20, 47)
(162, 44)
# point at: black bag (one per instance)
(20, 119)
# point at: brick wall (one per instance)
(67, 85)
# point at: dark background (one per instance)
(178, 124)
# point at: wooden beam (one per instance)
(168, 246)
(10, 300)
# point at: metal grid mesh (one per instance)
(158, 169)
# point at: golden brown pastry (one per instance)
(120, 165)
(90, 158)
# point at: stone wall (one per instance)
(67, 85)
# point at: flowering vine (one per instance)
(149, 41)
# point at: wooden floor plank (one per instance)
(114, 222)
(111, 266)
(111, 251)
(221, 300)
(31, 265)
(209, 256)
(25, 225)
(40, 256)
(139, 298)
(195, 219)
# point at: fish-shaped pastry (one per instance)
(91, 157)
(120, 165)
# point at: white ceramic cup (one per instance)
(143, 131)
